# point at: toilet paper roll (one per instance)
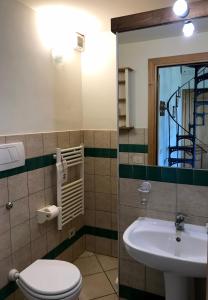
(51, 212)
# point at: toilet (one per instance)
(49, 279)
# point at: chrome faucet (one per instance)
(179, 223)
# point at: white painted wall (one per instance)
(35, 95)
(136, 55)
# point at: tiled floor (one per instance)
(99, 275)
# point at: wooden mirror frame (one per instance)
(154, 18)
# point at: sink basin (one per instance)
(153, 243)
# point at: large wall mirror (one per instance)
(163, 89)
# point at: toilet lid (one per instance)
(50, 276)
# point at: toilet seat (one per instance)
(50, 279)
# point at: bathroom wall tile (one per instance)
(114, 222)
(129, 215)
(17, 186)
(137, 136)
(123, 137)
(89, 184)
(36, 181)
(36, 201)
(34, 145)
(2, 139)
(78, 248)
(5, 245)
(129, 185)
(136, 158)
(114, 168)
(103, 219)
(102, 184)
(4, 196)
(53, 239)
(89, 165)
(132, 274)
(158, 199)
(20, 236)
(103, 246)
(114, 185)
(4, 220)
(102, 139)
(89, 200)
(63, 139)
(75, 138)
(22, 258)
(102, 166)
(90, 242)
(146, 133)
(163, 215)
(36, 230)
(50, 176)
(103, 201)
(39, 247)
(50, 142)
(15, 139)
(196, 220)
(89, 217)
(50, 196)
(66, 255)
(192, 200)
(133, 199)
(78, 222)
(113, 139)
(5, 267)
(155, 282)
(89, 138)
(20, 212)
(123, 158)
(114, 203)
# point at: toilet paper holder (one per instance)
(47, 213)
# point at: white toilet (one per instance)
(49, 279)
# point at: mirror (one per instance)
(163, 87)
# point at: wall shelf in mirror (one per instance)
(124, 98)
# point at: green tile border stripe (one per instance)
(100, 152)
(132, 294)
(95, 231)
(133, 148)
(164, 174)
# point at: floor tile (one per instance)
(112, 276)
(86, 254)
(95, 286)
(88, 265)
(107, 262)
(110, 297)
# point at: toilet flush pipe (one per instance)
(13, 275)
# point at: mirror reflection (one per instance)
(180, 81)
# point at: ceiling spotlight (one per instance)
(181, 8)
(188, 29)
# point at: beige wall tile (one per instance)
(123, 158)
(132, 274)
(123, 137)
(114, 167)
(114, 203)
(4, 220)
(103, 246)
(36, 230)
(17, 186)
(114, 185)
(50, 176)
(39, 247)
(89, 138)
(103, 201)
(36, 181)
(136, 158)
(89, 217)
(22, 258)
(89, 198)
(114, 139)
(89, 184)
(102, 166)
(4, 195)
(78, 248)
(102, 184)
(75, 138)
(66, 255)
(50, 196)
(155, 282)
(89, 165)
(36, 201)
(146, 132)
(19, 212)
(63, 139)
(50, 142)
(192, 200)
(129, 185)
(53, 239)
(5, 267)
(5, 245)
(137, 136)
(20, 236)
(103, 219)
(102, 139)
(78, 222)
(15, 139)
(2, 139)
(129, 215)
(90, 242)
(114, 221)
(34, 145)
(163, 215)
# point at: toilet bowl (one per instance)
(49, 280)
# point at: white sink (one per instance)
(153, 243)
